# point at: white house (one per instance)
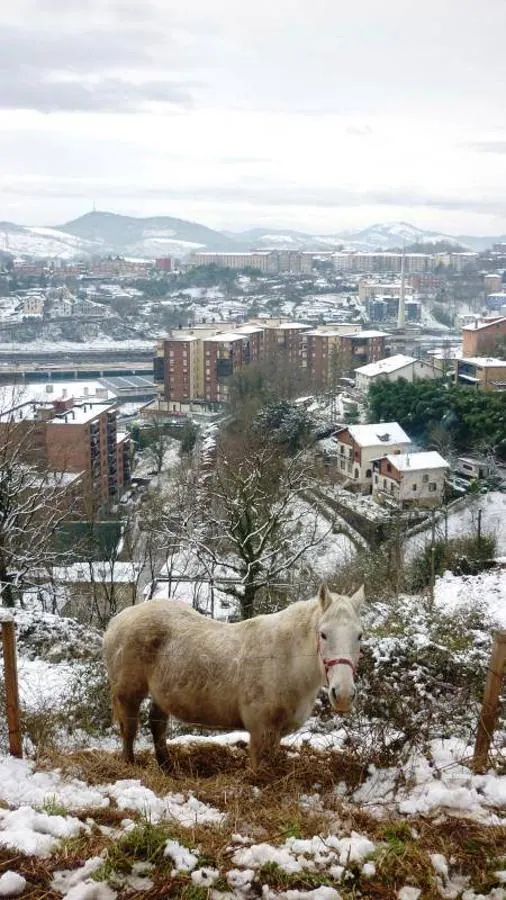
(391, 369)
(411, 479)
(359, 445)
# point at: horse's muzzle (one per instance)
(341, 704)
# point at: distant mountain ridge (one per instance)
(103, 233)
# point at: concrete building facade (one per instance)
(482, 372)
(411, 479)
(391, 369)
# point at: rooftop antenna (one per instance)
(401, 315)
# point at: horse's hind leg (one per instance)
(158, 726)
(126, 710)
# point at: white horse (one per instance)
(262, 674)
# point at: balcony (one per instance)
(224, 368)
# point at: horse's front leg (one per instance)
(158, 725)
(264, 747)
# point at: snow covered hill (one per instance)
(104, 232)
(146, 237)
(392, 234)
(43, 243)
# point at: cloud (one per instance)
(253, 194)
(359, 130)
(108, 95)
(96, 69)
(486, 146)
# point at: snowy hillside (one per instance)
(43, 242)
(104, 232)
(392, 234)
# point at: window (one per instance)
(342, 448)
(432, 487)
(376, 479)
(368, 473)
(389, 467)
(425, 478)
(357, 473)
(413, 487)
(342, 464)
(384, 484)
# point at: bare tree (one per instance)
(157, 444)
(248, 522)
(35, 503)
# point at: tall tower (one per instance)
(401, 315)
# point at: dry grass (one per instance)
(268, 810)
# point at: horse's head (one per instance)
(339, 635)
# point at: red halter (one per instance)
(338, 661)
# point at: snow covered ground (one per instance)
(463, 519)
(41, 806)
(453, 593)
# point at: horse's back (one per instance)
(137, 634)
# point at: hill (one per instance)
(149, 237)
(19, 240)
(102, 233)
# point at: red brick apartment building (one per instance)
(198, 365)
(285, 340)
(81, 438)
(362, 348)
(480, 338)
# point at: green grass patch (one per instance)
(278, 878)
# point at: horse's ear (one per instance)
(358, 598)
(324, 596)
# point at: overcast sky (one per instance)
(311, 114)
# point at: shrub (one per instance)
(466, 555)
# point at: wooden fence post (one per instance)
(11, 683)
(490, 706)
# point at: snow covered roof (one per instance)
(389, 364)
(97, 571)
(288, 325)
(414, 462)
(446, 353)
(184, 336)
(250, 329)
(79, 415)
(484, 324)
(368, 334)
(485, 361)
(225, 337)
(375, 435)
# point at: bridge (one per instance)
(38, 370)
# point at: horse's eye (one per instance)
(323, 635)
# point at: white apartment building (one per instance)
(391, 369)
(359, 445)
(411, 479)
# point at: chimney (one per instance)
(401, 316)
